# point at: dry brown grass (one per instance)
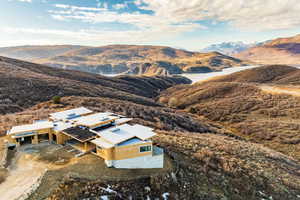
(246, 167)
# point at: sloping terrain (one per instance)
(24, 84)
(278, 51)
(241, 103)
(270, 74)
(132, 59)
(264, 74)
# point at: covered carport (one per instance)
(31, 133)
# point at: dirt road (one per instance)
(281, 90)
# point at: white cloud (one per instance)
(91, 36)
(244, 14)
(27, 1)
(169, 19)
(144, 22)
(77, 8)
(119, 6)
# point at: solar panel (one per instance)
(80, 133)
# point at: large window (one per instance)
(145, 148)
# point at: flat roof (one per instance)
(31, 127)
(125, 132)
(140, 131)
(70, 114)
(94, 119)
(82, 134)
(60, 126)
(102, 143)
(131, 141)
(122, 120)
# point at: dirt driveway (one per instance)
(25, 170)
(22, 175)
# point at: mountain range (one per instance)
(277, 51)
(127, 59)
(228, 48)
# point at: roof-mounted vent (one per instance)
(105, 119)
(115, 130)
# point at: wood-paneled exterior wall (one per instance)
(124, 152)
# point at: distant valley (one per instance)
(124, 59)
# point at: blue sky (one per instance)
(189, 24)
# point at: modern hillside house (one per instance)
(106, 135)
(128, 146)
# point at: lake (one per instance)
(204, 76)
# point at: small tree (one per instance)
(193, 110)
(56, 99)
(173, 102)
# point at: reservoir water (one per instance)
(204, 76)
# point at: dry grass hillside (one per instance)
(240, 104)
(278, 51)
(264, 74)
(270, 74)
(133, 59)
(24, 84)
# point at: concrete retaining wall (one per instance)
(147, 162)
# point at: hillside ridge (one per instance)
(126, 59)
(24, 84)
(277, 51)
